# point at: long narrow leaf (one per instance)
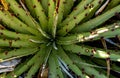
(86, 69)
(93, 23)
(77, 19)
(69, 62)
(78, 9)
(17, 53)
(104, 32)
(19, 12)
(16, 43)
(95, 52)
(55, 70)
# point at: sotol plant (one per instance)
(52, 35)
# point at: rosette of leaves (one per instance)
(52, 34)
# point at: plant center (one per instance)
(52, 42)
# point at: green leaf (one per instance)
(16, 43)
(104, 32)
(55, 70)
(21, 13)
(77, 19)
(85, 66)
(12, 22)
(16, 53)
(93, 23)
(77, 10)
(61, 54)
(40, 14)
(44, 4)
(94, 52)
(68, 6)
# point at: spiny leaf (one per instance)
(93, 23)
(86, 69)
(68, 6)
(44, 4)
(94, 52)
(51, 16)
(16, 43)
(19, 12)
(16, 53)
(78, 9)
(23, 67)
(15, 35)
(55, 70)
(36, 65)
(12, 22)
(40, 14)
(77, 19)
(105, 32)
(69, 62)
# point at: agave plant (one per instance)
(52, 36)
